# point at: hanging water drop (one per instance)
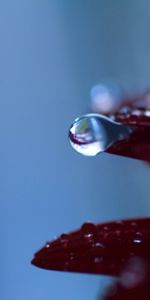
(94, 133)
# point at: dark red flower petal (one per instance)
(134, 113)
(97, 249)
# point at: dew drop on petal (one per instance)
(94, 133)
(88, 230)
(138, 238)
(64, 240)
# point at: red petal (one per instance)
(97, 249)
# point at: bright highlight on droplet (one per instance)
(94, 133)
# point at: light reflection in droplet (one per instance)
(137, 241)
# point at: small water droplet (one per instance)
(105, 232)
(138, 233)
(64, 240)
(66, 265)
(94, 133)
(98, 245)
(88, 230)
(138, 238)
(98, 248)
(134, 224)
(137, 241)
(98, 259)
(71, 256)
(105, 228)
(119, 222)
(118, 233)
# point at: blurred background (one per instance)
(51, 54)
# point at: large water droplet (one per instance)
(94, 133)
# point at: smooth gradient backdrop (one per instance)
(51, 53)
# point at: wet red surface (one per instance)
(97, 249)
(137, 145)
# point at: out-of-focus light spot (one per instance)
(105, 98)
(134, 273)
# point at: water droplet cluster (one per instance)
(99, 249)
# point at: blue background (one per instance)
(51, 54)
